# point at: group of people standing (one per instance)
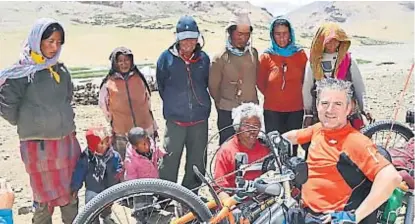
(36, 94)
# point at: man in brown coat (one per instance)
(233, 72)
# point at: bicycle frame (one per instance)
(228, 204)
(277, 198)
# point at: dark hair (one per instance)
(232, 28)
(52, 28)
(281, 22)
(136, 134)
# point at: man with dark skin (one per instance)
(248, 120)
(233, 73)
(182, 78)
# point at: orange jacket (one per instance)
(273, 70)
(327, 188)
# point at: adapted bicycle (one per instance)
(263, 200)
(393, 136)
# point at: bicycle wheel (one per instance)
(399, 135)
(119, 196)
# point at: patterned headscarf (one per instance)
(324, 34)
(31, 58)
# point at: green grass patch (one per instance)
(88, 75)
(88, 72)
(362, 61)
(74, 69)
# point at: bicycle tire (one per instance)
(378, 126)
(156, 186)
(409, 216)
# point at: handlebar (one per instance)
(257, 186)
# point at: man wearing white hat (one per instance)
(233, 72)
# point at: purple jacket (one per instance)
(138, 166)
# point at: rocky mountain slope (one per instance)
(371, 23)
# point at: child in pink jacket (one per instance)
(141, 161)
(142, 158)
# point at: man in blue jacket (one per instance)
(182, 78)
(6, 203)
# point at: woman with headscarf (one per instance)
(280, 79)
(329, 57)
(124, 97)
(35, 96)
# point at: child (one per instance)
(142, 161)
(99, 166)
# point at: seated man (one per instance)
(348, 178)
(248, 120)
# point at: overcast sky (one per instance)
(280, 7)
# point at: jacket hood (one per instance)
(113, 58)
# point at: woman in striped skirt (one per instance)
(35, 96)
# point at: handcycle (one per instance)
(266, 199)
(263, 200)
(386, 128)
(393, 136)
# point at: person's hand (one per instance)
(308, 121)
(119, 175)
(6, 195)
(369, 117)
(342, 217)
(74, 194)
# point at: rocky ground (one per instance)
(384, 77)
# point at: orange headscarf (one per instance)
(325, 33)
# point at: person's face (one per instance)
(187, 46)
(331, 46)
(240, 36)
(333, 109)
(249, 131)
(123, 63)
(103, 146)
(50, 46)
(281, 35)
(143, 145)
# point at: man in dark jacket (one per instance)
(182, 78)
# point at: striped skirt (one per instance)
(50, 164)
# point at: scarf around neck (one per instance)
(287, 51)
(31, 58)
(100, 162)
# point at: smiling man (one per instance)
(248, 120)
(348, 177)
(182, 78)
